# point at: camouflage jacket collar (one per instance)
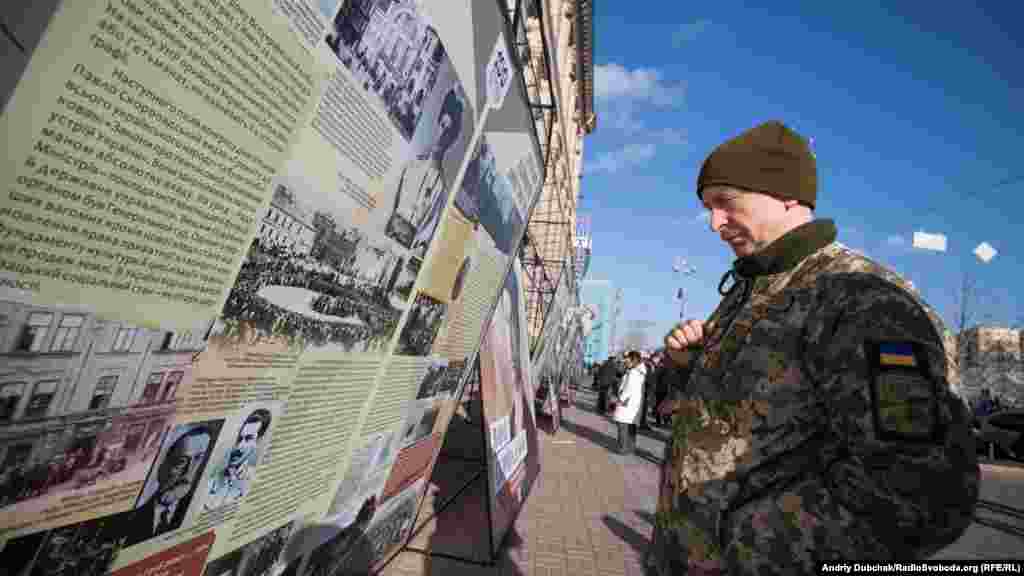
(789, 250)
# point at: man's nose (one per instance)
(717, 220)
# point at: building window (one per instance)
(41, 398)
(10, 396)
(35, 331)
(152, 389)
(67, 333)
(17, 455)
(124, 339)
(173, 379)
(104, 389)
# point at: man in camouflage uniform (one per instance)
(814, 420)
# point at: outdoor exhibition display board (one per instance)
(247, 252)
(550, 359)
(507, 394)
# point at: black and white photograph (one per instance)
(420, 422)
(329, 557)
(292, 569)
(316, 280)
(226, 565)
(453, 377)
(479, 169)
(392, 52)
(422, 188)
(489, 194)
(264, 556)
(173, 481)
(408, 270)
(83, 549)
(390, 529)
(84, 403)
(231, 475)
(432, 384)
(358, 481)
(421, 326)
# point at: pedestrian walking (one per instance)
(629, 401)
(607, 379)
(662, 376)
(817, 420)
(648, 391)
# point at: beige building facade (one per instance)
(983, 342)
(558, 70)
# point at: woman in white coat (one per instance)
(629, 401)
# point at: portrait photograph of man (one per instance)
(232, 477)
(172, 481)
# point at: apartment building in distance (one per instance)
(986, 342)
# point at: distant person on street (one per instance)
(629, 401)
(815, 419)
(984, 406)
(662, 376)
(607, 377)
(648, 391)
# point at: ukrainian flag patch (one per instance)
(896, 354)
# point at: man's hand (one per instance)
(684, 336)
(667, 407)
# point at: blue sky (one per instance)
(916, 114)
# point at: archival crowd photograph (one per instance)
(433, 383)
(84, 549)
(263, 556)
(314, 279)
(421, 326)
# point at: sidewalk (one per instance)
(590, 511)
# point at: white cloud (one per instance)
(688, 32)
(620, 116)
(896, 240)
(985, 252)
(615, 81)
(623, 158)
(927, 241)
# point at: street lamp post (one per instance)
(681, 267)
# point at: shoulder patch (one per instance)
(904, 395)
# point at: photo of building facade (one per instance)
(391, 52)
(287, 224)
(82, 398)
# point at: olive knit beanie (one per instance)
(771, 159)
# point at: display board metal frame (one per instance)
(541, 110)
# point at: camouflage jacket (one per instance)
(817, 423)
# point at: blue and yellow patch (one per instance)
(903, 392)
(896, 354)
